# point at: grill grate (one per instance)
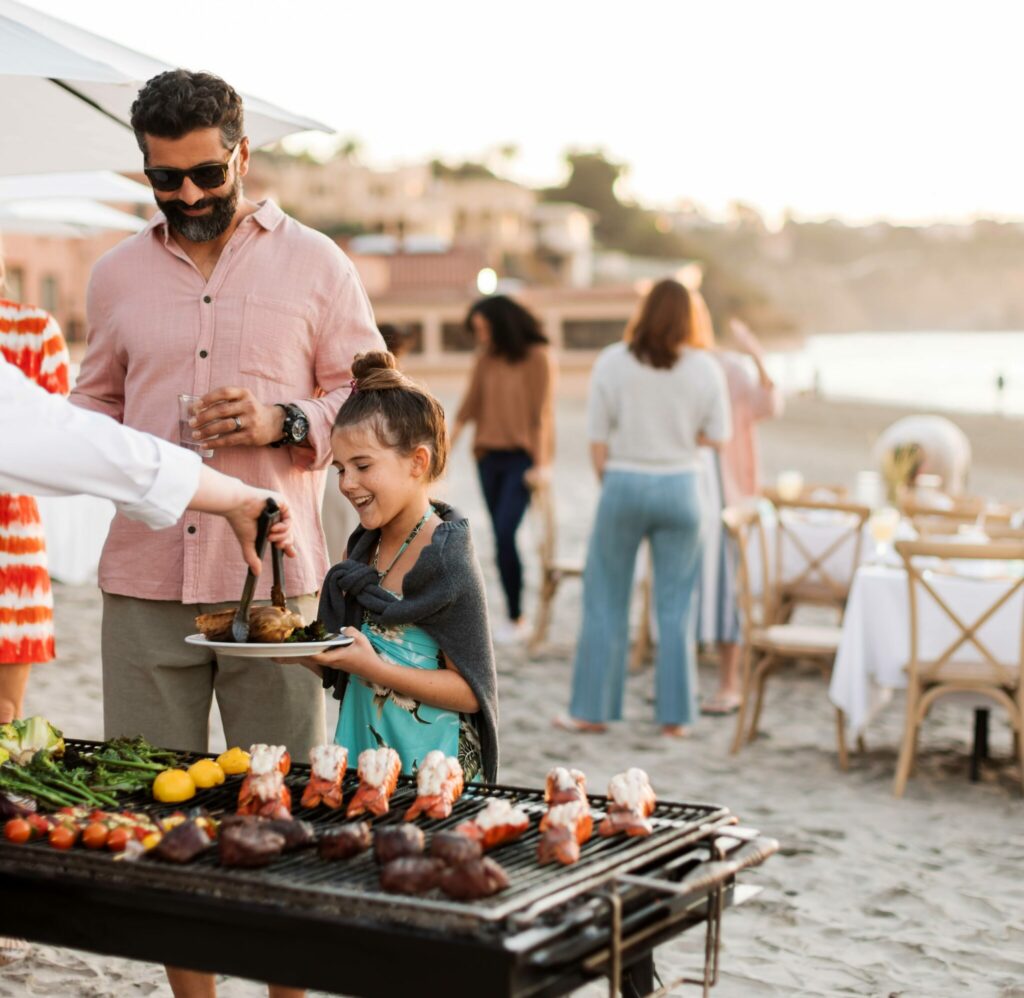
(301, 878)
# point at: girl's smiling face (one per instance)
(380, 481)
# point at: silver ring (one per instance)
(238, 423)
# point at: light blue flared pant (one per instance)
(666, 510)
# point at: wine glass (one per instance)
(882, 526)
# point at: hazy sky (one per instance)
(901, 109)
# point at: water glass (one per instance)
(882, 526)
(186, 410)
(789, 485)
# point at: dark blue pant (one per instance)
(506, 494)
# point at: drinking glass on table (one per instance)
(789, 485)
(187, 405)
(882, 526)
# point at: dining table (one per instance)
(874, 647)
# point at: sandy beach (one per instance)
(869, 896)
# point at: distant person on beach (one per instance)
(944, 449)
(511, 400)
(397, 340)
(236, 302)
(653, 402)
(31, 340)
(732, 473)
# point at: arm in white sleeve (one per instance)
(48, 447)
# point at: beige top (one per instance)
(513, 404)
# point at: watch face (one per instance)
(300, 428)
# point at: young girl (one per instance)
(420, 672)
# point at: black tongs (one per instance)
(240, 625)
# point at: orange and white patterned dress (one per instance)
(31, 340)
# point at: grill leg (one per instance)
(638, 978)
(980, 750)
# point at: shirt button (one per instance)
(207, 299)
(191, 529)
(203, 354)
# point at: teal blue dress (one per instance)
(373, 716)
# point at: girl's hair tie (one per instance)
(353, 386)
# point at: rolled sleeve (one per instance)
(347, 330)
(175, 482)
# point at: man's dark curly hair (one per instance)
(179, 101)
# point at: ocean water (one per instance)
(926, 370)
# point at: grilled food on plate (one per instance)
(267, 624)
(345, 842)
(379, 770)
(564, 785)
(397, 841)
(411, 875)
(326, 771)
(499, 822)
(479, 878)
(563, 830)
(438, 786)
(631, 803)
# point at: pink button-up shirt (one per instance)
(282, 314)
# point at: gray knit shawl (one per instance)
(443, 593)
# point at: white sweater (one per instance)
(650, 417)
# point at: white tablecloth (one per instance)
(875, 643)
(76, 528)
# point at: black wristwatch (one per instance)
(296, 426)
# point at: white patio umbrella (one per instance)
(66, 96)
(64, 217)
(97, 185)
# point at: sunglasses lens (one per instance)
(208, 177)
(166, 180)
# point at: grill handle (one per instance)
(707, 876)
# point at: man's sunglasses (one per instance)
(208, 176)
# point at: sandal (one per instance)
(566, 723)
(675, 731)
(721, 705)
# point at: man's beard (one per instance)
(203, 228)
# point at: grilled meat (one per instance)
(471, 881)
(397, 841)
(631, 803)
(411, 875)
(499, 822)
(183, 843)
(326, 771)
(249, 844)
(454, 849)
(345, 842)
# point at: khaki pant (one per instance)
(156, 685)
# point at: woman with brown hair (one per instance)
(652, 403)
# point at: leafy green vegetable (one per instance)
(21, 740)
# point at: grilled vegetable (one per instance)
(23, 739)
(17, 830)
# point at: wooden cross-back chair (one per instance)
(767, 643)
(947, 673)
(816, 582)
(553, 571)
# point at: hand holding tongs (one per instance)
(240, 625)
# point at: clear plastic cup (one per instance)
(186, 410)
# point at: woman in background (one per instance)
(731, 474)
(511, 400)
(31, 340)
(653, 400)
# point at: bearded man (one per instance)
(240, 304)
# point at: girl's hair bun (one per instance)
(376, 370)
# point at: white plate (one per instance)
(287, 649)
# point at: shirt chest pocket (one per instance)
(276, 342)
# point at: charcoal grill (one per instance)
(309, 923)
